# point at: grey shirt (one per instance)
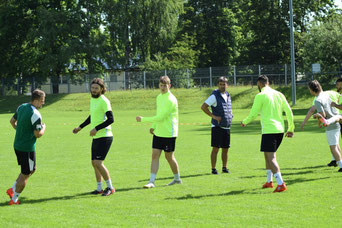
(323, 104)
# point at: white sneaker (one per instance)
(175, 182)
(149, 185)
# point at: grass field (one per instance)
(57, 194)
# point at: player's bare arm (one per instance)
(205, 108)
(13, 123)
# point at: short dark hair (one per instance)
(37, 94)
(315, 86)
(263, 79)
(100, 82)
(223, 79)
(165, 80)
(338, 80)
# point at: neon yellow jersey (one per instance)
(98, 108)
(271, 104)
(340, 102)
(165, 123)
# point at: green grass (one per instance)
(56, 194)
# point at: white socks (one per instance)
(99, 186)
(153, 177)
(13, 187)
(109, 183)
(269, 175)
(15, 197)
(339, 163)
(279, 178)
(177, 176)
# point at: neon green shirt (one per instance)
(98, 108)
(165, 123)
(271, 104)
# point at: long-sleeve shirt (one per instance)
(165, 123)
(271, 104)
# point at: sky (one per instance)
(339, 3)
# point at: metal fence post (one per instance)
(285, 74)
(234, 67)
(187, 76)
(2, 87)
(210, 77)
(18, 86)
(144, 79)
(259, 70)
(124, 80)
(165, 72)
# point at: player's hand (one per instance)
(151, 131)
(243, 125)
(93, 132)
(138, 118)
(76, 130)
(289, 134)
(218, 118)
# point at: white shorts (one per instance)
(333, 136)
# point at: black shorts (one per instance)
(166, 144)
(341, 129)
(27, 161)
(271, 142)
(100, 148)
(220, 137)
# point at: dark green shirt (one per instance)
(28, 119)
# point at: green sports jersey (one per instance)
(28, 119)
(165, 123)
(271, 104)
(98, 108)
(340, 102)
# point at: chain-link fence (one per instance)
(180, 78)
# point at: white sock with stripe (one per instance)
(152, 177)
(177, 176)
(279, 178)
(99, 186)
(13, 187)
(339, 163)
(109, 183)
(15, 197)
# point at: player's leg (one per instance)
(224, 158)
(170, 157)
(154, 167)
(333, 141)
(269, 174)
(216, 138)
(225, 144)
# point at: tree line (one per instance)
(50, 38)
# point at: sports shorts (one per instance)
(27, 161)
(220, 137)
(271, 142)
(166, 144)
(333, 136)
(100, 148)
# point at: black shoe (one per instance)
(95, 192)
(340, 170)
(332, 163)
(108, 191)
(214, 171)
(225, 170)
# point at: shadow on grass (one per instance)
(183, 177)
(9, 104)
(248, 191)
(23, 200)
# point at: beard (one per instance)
(95, 95)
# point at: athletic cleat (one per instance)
(214, 171)
(174, 182)
(225, 170)
(108, 191)
(332, 163)
(12, 202)
(340, 170)
(324, 121)
(268, 185)
(95, 192)
(10, 192)
(280, 188)
(149, 185)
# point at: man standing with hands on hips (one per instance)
(222, 116)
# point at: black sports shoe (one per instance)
(225, 170)
(332, 163)
(108, 191)
(340, 170)
(95, 192)
(214, 171)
